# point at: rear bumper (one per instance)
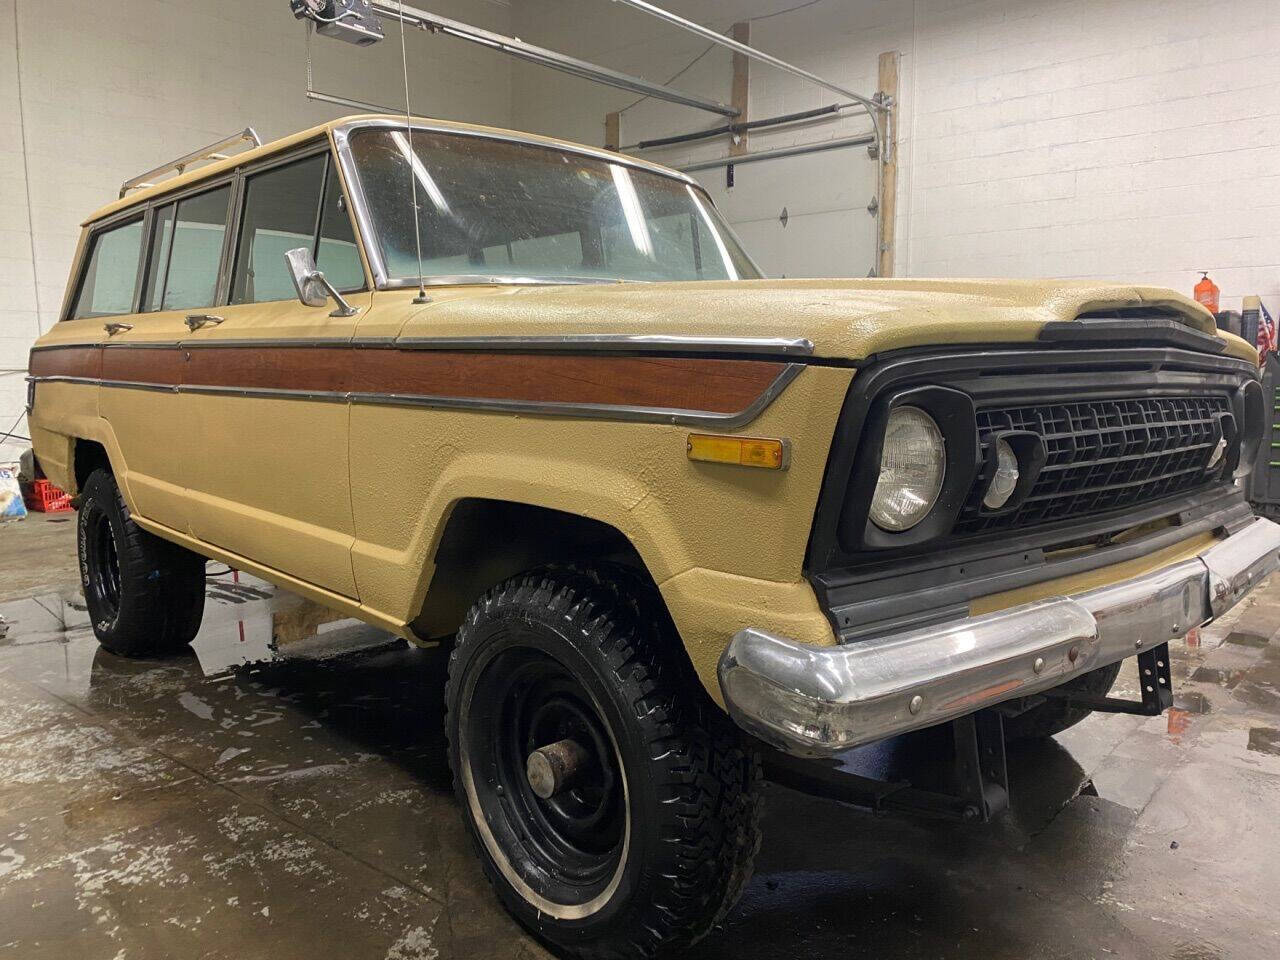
(817, 701)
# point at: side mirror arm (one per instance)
(343, 308)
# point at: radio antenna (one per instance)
(413, 176)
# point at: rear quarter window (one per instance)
(111, 274)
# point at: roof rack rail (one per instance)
(212, 152)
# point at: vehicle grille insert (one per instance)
(1103, 455)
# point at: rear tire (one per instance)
(652, 842)
(145, 595)
(1052, 716)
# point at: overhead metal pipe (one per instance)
(513, 46)
(778, 153)
(362, 105)
(736, 128)
(873, 107)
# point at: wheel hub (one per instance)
(552, 768)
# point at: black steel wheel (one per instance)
(145, 595)
(614, 808)
(101, 565)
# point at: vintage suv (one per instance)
(671, 516)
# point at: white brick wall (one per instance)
(1127, 141)
(106, 97)
(1110, 139)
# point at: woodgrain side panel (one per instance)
(718, 386)
(318, 369)
(83, 362)
(130, 364)
(675, 383)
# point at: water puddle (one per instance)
(1265, 740)
(247, 621)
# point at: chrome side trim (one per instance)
(273, 343)
(92, 381)
(568, 343)
(482, 279)
(819, 701)
(139, 385)
(586, 411)
(265, 393)
(647, 343)
(596, 411)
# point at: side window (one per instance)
(338, 255)
(281, 208)
(111, 274)
(191, 280)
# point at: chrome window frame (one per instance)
(299, 154)
(342, 134)
(235, 179)
(95, 231)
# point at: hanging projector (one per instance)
(351, 20)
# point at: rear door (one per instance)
(264, 385)
(181, 255)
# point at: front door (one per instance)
(263, 378)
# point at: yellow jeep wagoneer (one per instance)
(679, 523)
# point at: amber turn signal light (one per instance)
(744, 451)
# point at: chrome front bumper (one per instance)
(817, 701)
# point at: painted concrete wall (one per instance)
(87, 101)
(1135, 140)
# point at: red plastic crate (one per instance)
(43, 497)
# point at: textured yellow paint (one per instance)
(635, 477)
(849, 319)
(709, 607)
(268, 478)
(337, 602)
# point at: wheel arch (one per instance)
(87, 456)
(485, 541)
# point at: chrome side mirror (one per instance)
(313, 288)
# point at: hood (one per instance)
(845, 319)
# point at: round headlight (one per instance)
(912, 466)
(1002, 485)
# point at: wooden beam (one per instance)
(741, 91)
(888, 200)
(612, 130)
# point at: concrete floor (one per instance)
(246, 802)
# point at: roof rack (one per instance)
(212, 152)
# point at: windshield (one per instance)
(495, 208)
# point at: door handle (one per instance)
(116, 327)
(197, 320)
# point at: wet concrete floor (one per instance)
(282, 792)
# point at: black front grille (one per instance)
(1105, 454)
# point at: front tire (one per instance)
(145, 595)
(648, 841)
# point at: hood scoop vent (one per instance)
(1137, 326)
